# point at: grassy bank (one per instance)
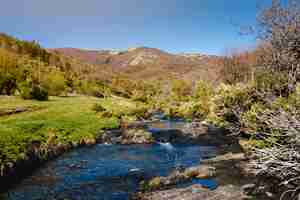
(60, 120)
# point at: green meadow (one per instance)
(60, 120)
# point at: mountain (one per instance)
(24, 64)
(141, 63)
(148, 63)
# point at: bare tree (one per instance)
(279, 31)
(238, 66)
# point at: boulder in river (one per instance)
(180, 176)
(195, 129)
(112, 136)
(127, 136)
(202, 172)
(136, 136)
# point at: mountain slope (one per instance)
(149, 63)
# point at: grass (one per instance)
(61, 120)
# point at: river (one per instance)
(109, 172)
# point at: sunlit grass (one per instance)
(67, 119)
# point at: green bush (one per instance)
(251, 121)
(25, 90)
(8, 84)
(244, 108)
(98, 108)
(120, 107)
(39, 93)
(30, 91)
(204, 94)
(203, 90)
(291, 104)
(230, 101)
(92, 88)
(275, 83)
(181, 90)
(142, 96)
(56, 83)
(96, 91)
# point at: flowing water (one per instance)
(109, 172)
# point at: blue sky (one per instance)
(204, 26)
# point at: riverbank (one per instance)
(33, 132)
(106, 170)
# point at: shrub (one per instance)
(290, 104)
(279, 29)
(92, 88)
(120, 107)
(30, 91)
(96, 91)
(231, 101)
(181, 90)
(138, 95)
(274, 83)
(123, 86)
(251, 121)
(39, 93)
(8, 84)
(204, 94)
(190, 109)
(25, 90)
(203, 90)
(237, 68)
(98, 108)
(56, 83)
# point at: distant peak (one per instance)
(139, 48)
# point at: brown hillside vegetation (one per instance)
(149, 63)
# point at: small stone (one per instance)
(195, 190)
(248, 188)
(90, 142)
(269, 194)
(201, 172)
(155, 183)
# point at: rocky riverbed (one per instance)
(146, 160)
(232, 178)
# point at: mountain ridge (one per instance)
(149, 63)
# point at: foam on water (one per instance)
(168, 146)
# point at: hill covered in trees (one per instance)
(27, 67)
